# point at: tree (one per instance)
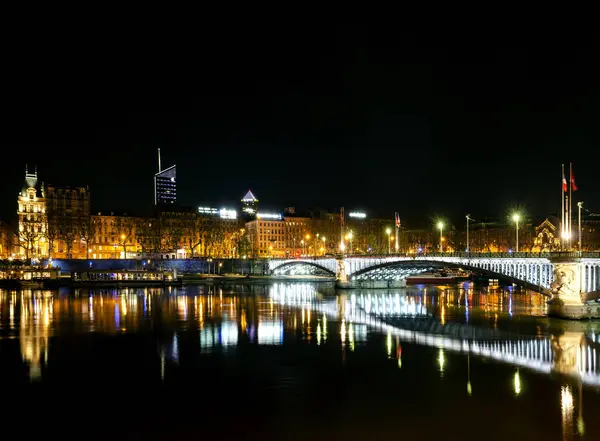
(125, 229)
(192, 233)
(68, 232)
(53, 228)
(174, 233)
(28, 237)
(144, 234)
(87, 229)
(244, 247)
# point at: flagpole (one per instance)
(570, 201)
(397, 222)
(562, 207)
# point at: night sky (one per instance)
(422, 123)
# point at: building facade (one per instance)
(33, 223)
(69, 231)
(165, 186)
(114, 236)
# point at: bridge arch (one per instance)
(302, 267)
(403, 268)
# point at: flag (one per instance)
(573, 186)
(564, 183)
(397, 219)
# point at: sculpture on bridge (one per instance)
(565, 286)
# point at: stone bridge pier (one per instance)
(569, 300)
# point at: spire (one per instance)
(30, 178)
(249, 197)
(159, 166)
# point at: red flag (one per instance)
(573, 186)
(397, 220)
(564, 184)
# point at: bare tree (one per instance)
(192, 233)
(69, 232)
(87, 229)
(144, 234)
(174, 233)
(28, 237)
(125, 229)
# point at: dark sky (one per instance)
(423, 123)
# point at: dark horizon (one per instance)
(344, 116)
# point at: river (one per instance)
(295, 361)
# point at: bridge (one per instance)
(571, 279)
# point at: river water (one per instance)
(295, 361)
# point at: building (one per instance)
(165, 186)
(114, 236)
(296, 231)
(6, 240)
(267, 235)
(69, 230)
(546, 237)
(33, 222)
(249, 205)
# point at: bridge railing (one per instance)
(465, 255)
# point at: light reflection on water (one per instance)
(504, 325)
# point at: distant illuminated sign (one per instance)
(223, 213)
(208, 210)
(269, 216)
(226, 213)
(357, 215)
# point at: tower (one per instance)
(165, 184)
(249, 204)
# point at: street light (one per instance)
(468, 219)
(389, 231)
(516, 218)
(579, 207)
(350, 239)
(324, 246)
(440, 225)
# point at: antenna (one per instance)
(159, 169)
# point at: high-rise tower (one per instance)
(165, 184)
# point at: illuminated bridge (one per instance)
(572, 352)
(530, 270)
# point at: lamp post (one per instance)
(350, 239)
(324, 246)
(440, 225)
(516, 218)
(389, 232)
(303, 251)
(316, 242)
(468, 219)
(579, 207)
(124, 246)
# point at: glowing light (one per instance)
(440, 225)
(208, 210)
(270, 333)
(319, 334)
(517, 383)
(469, 389)
(268, 215)
(227, 213)
(516, 217)
(388, 231)
(389, 344)
(357, 215)
(441, 360)
(566, 407)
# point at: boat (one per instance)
(438, 277)
(31, 283)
